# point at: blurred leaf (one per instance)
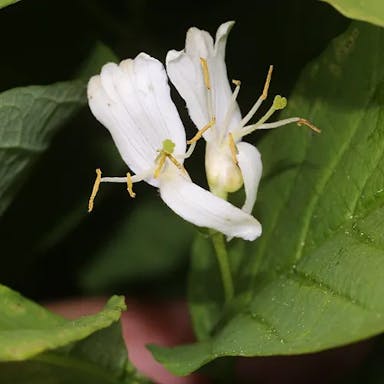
(314, 280)
(89, 349)
(66, 221)
(100, 55)
(150, 242)
(27, 329)
(371, 11)
(4, 3)
(48, 186)
(101, 358)
(29, 117)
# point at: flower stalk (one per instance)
(220, 247)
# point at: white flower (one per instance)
(132, 100)
(200, 76)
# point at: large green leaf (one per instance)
(314, 280)
(29, 117)
(89, 349)
(366, 10)
(4, 3)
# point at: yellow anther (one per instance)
(94, 189)
(264, 95)
(177, 163)
(233, 148)
(130, 186)
(204, 66)
(236, 82)
(309, 125)
(160, 163)
(202, 131)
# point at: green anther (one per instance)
(168, 146)
(279, 102)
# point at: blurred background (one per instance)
(51, 248)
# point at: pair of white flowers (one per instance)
(132, 100)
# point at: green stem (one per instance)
(222, 258)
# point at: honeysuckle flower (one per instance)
(132, 100)
(200, 76)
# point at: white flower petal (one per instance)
(198, 43)
(251, 168)
(221, 38)
(112, 116)
(186, 75)
(227, 111)
(184, 70)
(204, 209)
(133, 101)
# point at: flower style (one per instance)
(200, 76)
(132, 100)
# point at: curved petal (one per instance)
(251, 169)
(221, 38)
(223, 92)
(184, 70)
(204, 209)
(185, 74)
(198, 43)
(133, 101)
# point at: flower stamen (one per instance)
(264, 95)
(233, 148)
(298, 120)
(190, 150)
(279, 103)
(308, 124)
(204, 66)
(130, 186)
(95, 189)
(232, 105)
(260, 100)
(201, 131)
(160, 164)
(176, 163)
(164, 154)
(207, 82)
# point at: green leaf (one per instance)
(4, 3)
(314, 280)
(87, 350)
(67, 220)
(101, 358)
(99, 55)
(128, 257)
(29, 117)
(27, 329)
(371, 11)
